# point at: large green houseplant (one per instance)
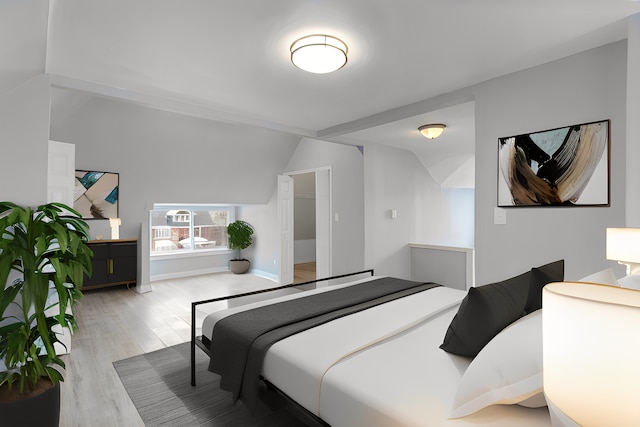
(240, 237)
(43, 260)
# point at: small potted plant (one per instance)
(43, 260)
(240, 237)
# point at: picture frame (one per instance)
(96, 194)
(566, 166)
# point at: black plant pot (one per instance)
(42, 410)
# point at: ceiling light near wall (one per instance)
(319, 53)
(432, 131)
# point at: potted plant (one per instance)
(43, 260)
(240, 237)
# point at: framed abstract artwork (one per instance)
(567, 166)
(96, 194)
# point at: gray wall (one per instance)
(265, 250)
(347, 186)
(142, 144)
(426, 213)
(164, 157)
(24, 138)
(24, 102)
(586, 87)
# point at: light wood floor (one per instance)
(304, 272)
(117, 323)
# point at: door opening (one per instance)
(304, 206)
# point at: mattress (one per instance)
(381, 366)
(210, 320)
(409, 381)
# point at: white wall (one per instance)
(23, 41)
(444, 216)
(304, 224)
(582, 88)
(633, 124)
(304, 227)
(586, 87)
(265, 250)
(426, 213)
(347, 168)
(24, 138)
(143, 145)
(304, 250)
(24, 102)
(164, 157)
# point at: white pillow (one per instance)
(508, 370)
(604, 277)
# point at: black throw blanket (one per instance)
(240, 341)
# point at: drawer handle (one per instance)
(111, 266)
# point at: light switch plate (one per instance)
(499, 216)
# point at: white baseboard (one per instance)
(143, 288)
(190, 273)
(265, 275)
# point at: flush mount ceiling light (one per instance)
(319, 53)
(432, 131)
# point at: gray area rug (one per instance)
(159, 386)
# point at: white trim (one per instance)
(264, 275)
(184, 253)
(442, 248)
(181, 274)
(189, 273)
(470, 259)
(329, 168)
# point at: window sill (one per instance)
(190, 254)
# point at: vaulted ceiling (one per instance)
(229, 60)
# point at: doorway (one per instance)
(304, 227)
(304, 207)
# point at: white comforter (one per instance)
(383, 367)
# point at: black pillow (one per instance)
(553, 272)
(485, 311)
(488, 309)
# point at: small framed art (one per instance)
(96, 194)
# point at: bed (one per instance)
(434, 356)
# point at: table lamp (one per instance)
(115, 227)
(623, 245)
(591, 354)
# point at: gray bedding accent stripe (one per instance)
(240, 341)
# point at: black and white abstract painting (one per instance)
(567, 166)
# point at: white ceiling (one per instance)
(229, 60)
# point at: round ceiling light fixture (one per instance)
(319, 53)
(432, 131)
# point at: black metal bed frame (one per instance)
(204, 344)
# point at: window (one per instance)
(189, 228)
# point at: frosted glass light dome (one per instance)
(319, 53)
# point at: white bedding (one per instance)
(383, 367)
(209, 322)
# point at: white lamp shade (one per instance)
(319, 53)
(591, 353)
(623, 244)
(115, 227)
